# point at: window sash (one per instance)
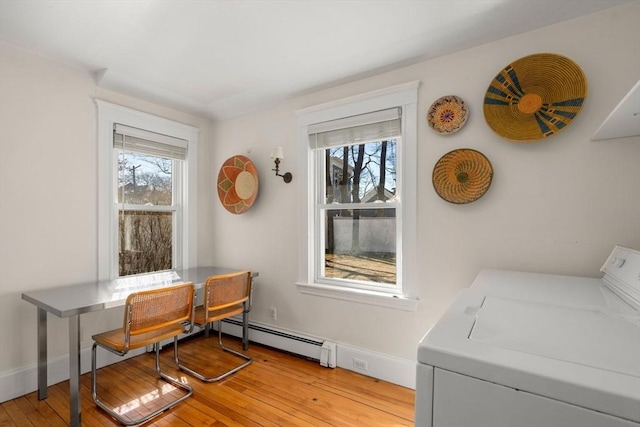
(176, 182)
(142, 248)
(320, 229)
(320, 262)
(389, 204)
(384, 288)
(145, 208)
(175, 209)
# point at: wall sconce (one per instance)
(277, 155)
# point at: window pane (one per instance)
(145, 242)
(144, 180)
(360, 244)
(354, 173)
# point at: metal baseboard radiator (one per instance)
(272, 337)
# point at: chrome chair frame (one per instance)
(125, 341)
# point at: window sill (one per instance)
(360, 296)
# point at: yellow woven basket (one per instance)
(462, 176)
(535, 97)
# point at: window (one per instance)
(360, 157)
(356, 204)
(148, 199)
(147, 195)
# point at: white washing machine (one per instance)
(536, 350)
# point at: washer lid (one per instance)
(590, 337)
(524, 350)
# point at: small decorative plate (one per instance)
(447, 114)
(238, 184)
(462, 176)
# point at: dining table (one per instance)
(71, 301)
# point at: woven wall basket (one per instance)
(462, 176)
(447, 115)
(535, 97)
(237, 184)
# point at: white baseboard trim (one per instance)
(377, 365)
(24, 381)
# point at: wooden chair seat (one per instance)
(116, 339)
(204, 316)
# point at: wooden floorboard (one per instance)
(277, 389)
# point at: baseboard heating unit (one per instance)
(280, 339)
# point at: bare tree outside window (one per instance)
(145, 231)
(360, 235)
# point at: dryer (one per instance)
(522, 349)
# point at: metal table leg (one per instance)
(42, 354)
(245, 330)
(74, 370)
(245, 318)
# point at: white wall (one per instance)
(48, 186)
(557, 206)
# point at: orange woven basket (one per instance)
(237, 184)
(462, 176)
(535, 97)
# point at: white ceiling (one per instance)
(225, 58)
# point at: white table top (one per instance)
(81, 298)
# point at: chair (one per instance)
(225, 295)
(150, 317)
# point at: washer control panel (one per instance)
(622, 274)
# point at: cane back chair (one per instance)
(149, 317)
(225, 295)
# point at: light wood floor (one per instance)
(277, 389)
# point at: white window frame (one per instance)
(108, 115)
(406, 97)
